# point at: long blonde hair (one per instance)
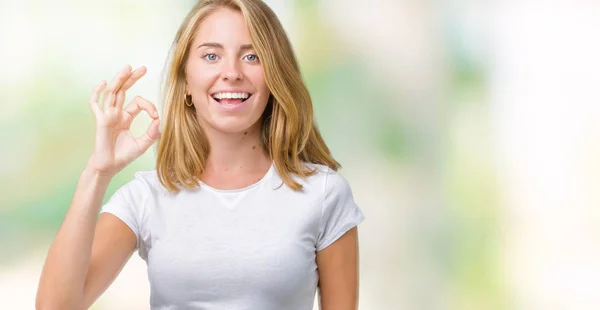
(289, 135)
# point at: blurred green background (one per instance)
(468, 130)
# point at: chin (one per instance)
(235, 120)
(233, 124)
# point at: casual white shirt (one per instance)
(250, 248)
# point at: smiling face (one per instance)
(224, 76)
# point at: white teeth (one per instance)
(231, 95)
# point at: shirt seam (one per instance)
(144, 208)
(324, 197)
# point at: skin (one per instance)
(87, 255)
(218, 61)
(338, 273)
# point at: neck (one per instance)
(231, 153)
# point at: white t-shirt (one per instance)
(250, 248)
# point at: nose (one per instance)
(231, 71)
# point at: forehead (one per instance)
(224, 25)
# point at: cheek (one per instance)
(200, 78)
(256, 75)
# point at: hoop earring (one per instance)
(185, 99)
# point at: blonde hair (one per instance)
(289, 135)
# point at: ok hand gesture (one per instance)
(114, 146)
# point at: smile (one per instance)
(231, 97)
(231, 101)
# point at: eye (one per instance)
(251, 57)
(210, 56)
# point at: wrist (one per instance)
(91, 172)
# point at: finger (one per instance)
(109, 97)
(139, 104)
(119, 99)
(134, 77)
(95, 97)
(115, 84)
(145, 141)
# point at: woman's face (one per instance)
(224, 75)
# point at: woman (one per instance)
(245, 209)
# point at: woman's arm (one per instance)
(85, 257)
(338, 273)
(76, 255)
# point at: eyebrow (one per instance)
(219, 45)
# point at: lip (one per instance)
(230, 107)
(230, 91)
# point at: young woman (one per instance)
(245, 209)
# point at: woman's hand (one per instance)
(114, 146)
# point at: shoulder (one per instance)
(326, 179)
(144, 183)
(147, 177)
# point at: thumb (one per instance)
(150, 136)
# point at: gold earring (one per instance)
(185, 99)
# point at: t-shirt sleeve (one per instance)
(340, 213)
(128, 203)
